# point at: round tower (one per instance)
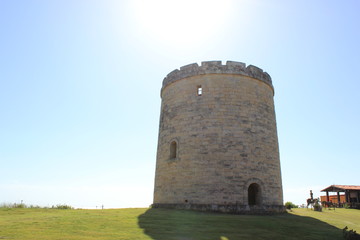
(218, 145)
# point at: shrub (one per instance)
(14, 205)
(35, 206)
(317, 207)
(21, 205)
(62, 206)
(290, 205)
(5, 205)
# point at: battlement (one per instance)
(216, 67)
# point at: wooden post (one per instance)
(338, 198)
(327, 196)
(347, 196)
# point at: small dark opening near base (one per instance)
(254, 194)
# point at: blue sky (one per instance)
(80, 90)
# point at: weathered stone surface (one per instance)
(227, 153)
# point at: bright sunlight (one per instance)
(182, 22)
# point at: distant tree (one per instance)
(290, 205)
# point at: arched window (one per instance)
(254, 194)
(173, 150)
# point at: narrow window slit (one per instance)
(199, 90)
(173, 150)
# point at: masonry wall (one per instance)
(226, 139)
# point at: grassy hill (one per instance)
(162, 224)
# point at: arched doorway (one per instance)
(254, 194)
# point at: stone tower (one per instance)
(218, 145)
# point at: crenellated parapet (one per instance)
(216, 67)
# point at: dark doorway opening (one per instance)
(254, 194)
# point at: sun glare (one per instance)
(180, 21)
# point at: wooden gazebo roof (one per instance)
(341, 188)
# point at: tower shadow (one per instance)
(167, 224)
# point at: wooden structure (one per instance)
(333, 199)
(351, 195)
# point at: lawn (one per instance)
(339, 218)
(162, 224)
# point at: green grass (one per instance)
(162, 224)
(339, 217)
